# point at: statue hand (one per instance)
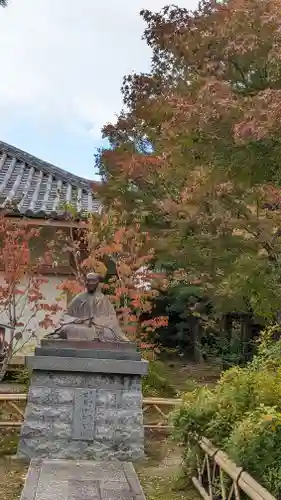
(91, 319)
(79, 321)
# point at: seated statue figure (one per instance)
(90, 316)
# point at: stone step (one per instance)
(86, 365)
(81, 480)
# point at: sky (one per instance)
(62, 64)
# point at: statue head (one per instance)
(92, 282)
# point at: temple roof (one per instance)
(34, 188)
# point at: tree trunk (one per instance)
(246, 336)
(228, 320)
(6, 361)
(196, 330)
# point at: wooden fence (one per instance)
(220, 478)
(157, 411)
(217, 478)
(13, 404)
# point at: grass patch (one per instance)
(160, 473)
(185, 377)
(168, 379)
(165, 488)
(12, 472)
(9, 439)
(156, 448)
(12, 478)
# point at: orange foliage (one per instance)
(110, 240)
(197, 146)
(21, 284)
(212, 95)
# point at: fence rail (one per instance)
(15, 412)
(218, 478)
(157, 411)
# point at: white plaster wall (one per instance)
(50, 293)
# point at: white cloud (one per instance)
(63, 60)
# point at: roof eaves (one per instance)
(46, 167)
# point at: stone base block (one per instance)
(84, 402)
(82, 415)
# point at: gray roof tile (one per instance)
(34, 188)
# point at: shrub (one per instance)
(241, 415)
(22, 377)
(155, 384)
(255, 445)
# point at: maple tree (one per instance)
(23, 306)
(120, 252)
(196, 150)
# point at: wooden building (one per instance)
(38, 192)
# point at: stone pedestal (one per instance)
(84, 402)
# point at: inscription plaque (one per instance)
(84, 414)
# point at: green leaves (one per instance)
(253, 282)
(210, 112)
(242, 416)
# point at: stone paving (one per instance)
(81, 480)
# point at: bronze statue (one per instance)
(90, 316)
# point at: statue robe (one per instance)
(91, 316)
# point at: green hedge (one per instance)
(155, 384)
(241, 415)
